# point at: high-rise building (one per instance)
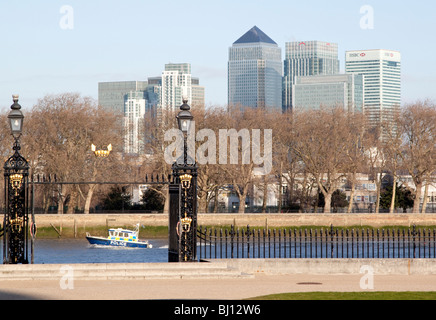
(307, 58)
(382, 80)
(255, 71)
(134, 111)
(339, 90)
(176, 84)
(141, 101)
(167, 91)
(111, 95)
(198, 100)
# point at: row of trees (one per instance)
(57, 136)
(316, 150)
(320, 149)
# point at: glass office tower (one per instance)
(111, 94)
(328, 91)
(255, 71)
(382, 81)
(134, 111)
(307, 58)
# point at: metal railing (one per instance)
(316, 243)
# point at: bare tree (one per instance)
(417, 125)
(391, 146)
(59, 134)
(354, 151)
(320, 142)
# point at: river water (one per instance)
(67, 251)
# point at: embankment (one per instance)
(157, 224)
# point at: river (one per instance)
(66, 251)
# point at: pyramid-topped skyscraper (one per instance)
(255, 71)
(254, 35)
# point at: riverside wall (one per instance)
(220, 269)
(240, 220)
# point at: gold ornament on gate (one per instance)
(186, 224)
(16, 182)
(185, 179)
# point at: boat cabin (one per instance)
(122, 234)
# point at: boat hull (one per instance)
(117, 243)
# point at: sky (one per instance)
(57, 46)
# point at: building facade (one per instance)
(141, 102)
(167, 91)
(111, 95)
(382, 80)
(307, 58)
(340, 90)
(255, 71)
(134, 111)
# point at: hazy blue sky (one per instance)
(132, 40)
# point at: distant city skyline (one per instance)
(49, 47)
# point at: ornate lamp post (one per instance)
(16, 216)
(183, 199)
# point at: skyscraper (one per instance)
(134, 111)
(139, 101)
(307, 58)
(255, 71)
(176, 83)
(111, 95)
(339, 90)
(382, 81)
(166, 92)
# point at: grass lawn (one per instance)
(377, 295)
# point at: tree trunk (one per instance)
(166, 209)
(73, 200)
(378, 187)
(417, 200)
(315, 207)
(394, 191)
(351, 202)
(327, 202)
(61, 199)
(215, 200)
(265, 194)
(424, 201)
(242, 198)
(279, 204)
(89, 198)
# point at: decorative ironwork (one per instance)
(15, 240)
(183, 202)
(16, 173)
(336, 243)
(186, 177)
(16, 181)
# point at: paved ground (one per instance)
(217, 289)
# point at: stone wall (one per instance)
(240, 220)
